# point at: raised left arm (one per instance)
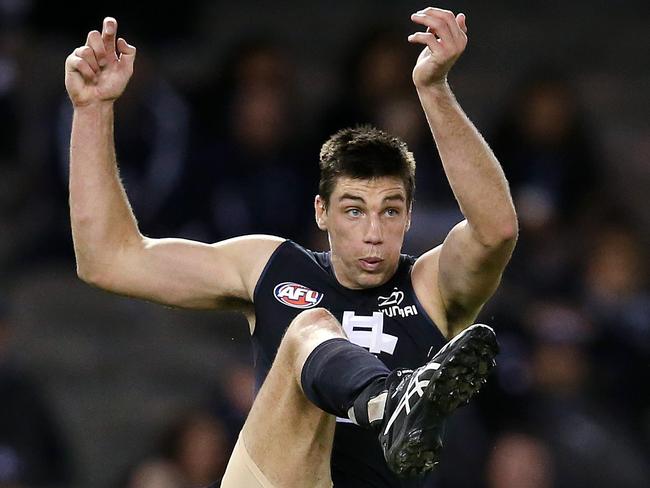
(461, 274)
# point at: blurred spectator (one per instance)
(23, 215)
(616, 284)
(617, 298)
(579, 431)
(156, 474)
(520, 460)
(249, 172)
(11, 173)
(466, 444)
(376, 75)
(32, 451)
(234, 399)
(547, 150)
(193, 453)
(548, 154)
(545, 262)
(561, 334)
(378, 90)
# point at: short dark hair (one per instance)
(365, 152)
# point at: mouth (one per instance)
(370, 264)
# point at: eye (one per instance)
(353, 212)
(392, 212)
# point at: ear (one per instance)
(320, 211)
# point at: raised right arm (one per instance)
(111, 252)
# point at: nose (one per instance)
(373, 232)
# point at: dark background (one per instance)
(218, 135)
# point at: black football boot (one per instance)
(418, 402)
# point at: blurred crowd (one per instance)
(234, 152)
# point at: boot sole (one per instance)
(460, 376)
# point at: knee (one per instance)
(311, 326)
(313, 320)
(313, 316)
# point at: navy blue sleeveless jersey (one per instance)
(387, 320)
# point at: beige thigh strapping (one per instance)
(242, 472)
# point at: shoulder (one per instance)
(295, 254)
(254, 247)
(290, 259)
(249, 251)
(251, 254)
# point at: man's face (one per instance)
(366, 221)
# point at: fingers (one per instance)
(80, 65)
(109, 31)
(87, 54)
(462, 22)
(435, 25)
(426, 38)
(127, 52)
(96, 43)
(103, 44)
(443, 24)
(100, 50)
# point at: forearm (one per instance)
(102, 221)
(474, 174)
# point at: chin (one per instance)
(367, 280)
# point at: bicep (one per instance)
(191, 274)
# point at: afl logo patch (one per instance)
(297, 296)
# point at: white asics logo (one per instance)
(368, 331)
(390, 305)
(395, 298)
(415, 387)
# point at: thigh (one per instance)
(288, 437)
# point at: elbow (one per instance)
(506, 229)
(509, 231)
(100, 266)
(499, 235)
(87, 262)
(96, 271)
(90, 275)
(507, 235)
